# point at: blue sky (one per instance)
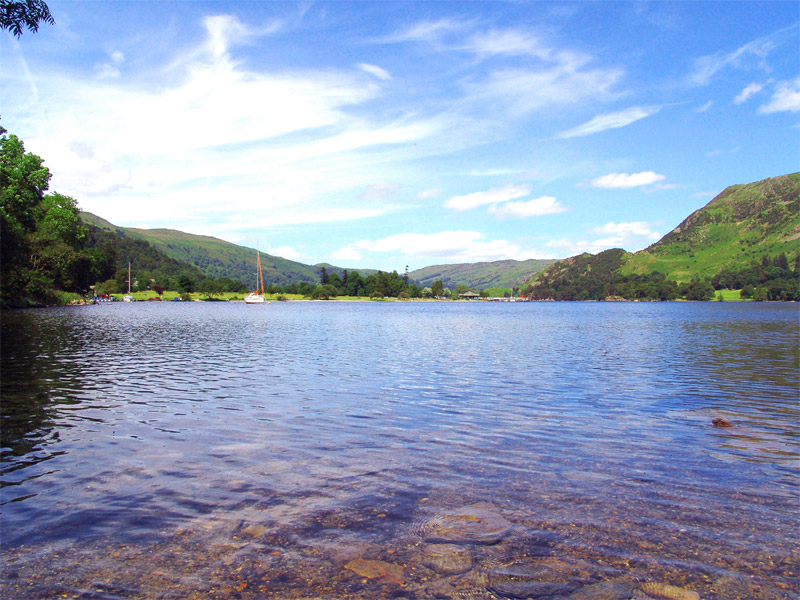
(386, 134)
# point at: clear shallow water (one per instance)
(400, 450)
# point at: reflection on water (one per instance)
(401, 450)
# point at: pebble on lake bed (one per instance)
(668, 592)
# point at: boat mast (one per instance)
(260, 277)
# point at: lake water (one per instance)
(401, 450)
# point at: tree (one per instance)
(324, 292)
(437, 288)
(16, 14)
(23, 181)
(208, 287)
(323, 276)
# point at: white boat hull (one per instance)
(254, 299)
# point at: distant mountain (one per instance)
(481, 275)
(214, 257)
(740, 226)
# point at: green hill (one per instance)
(214, 257)
(481, 275)
(744, 225)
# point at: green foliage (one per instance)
(18, 14)
(324, 292)
(767, 279)
(41, 236)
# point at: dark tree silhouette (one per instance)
(17, 14)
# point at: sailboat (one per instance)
(257, 297)
(127, 297)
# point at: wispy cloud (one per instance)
(385, 190)
(756, 51)
(428, 31)
(718, 152)
(786, 98)
(625, 180)
(704, 107)
(564, 83)
(748, 92)
(546, 205)
(510, 42)
(611, 121)
(492, 196)
(375, 71)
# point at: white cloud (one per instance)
(431, 193)
(748, 92)
(568, 247)
(347, 254)
(704, 107)
(451, 246)
(623, 231)
(546, 205)
(611, 121)
(375, 71)
(624, 180)
(786, 98)
(110, 69)
(285, 252)
(492, 196)
(631, 236)
(206, 132)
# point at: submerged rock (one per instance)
(447, 559)
(607, 590)
(720, 422)
(527, 579)
(475, 524)
(379, 570)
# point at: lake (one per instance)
(401, 450)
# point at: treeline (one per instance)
(598, 277)
(375, 285)
(768, 279)
(46, 249)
